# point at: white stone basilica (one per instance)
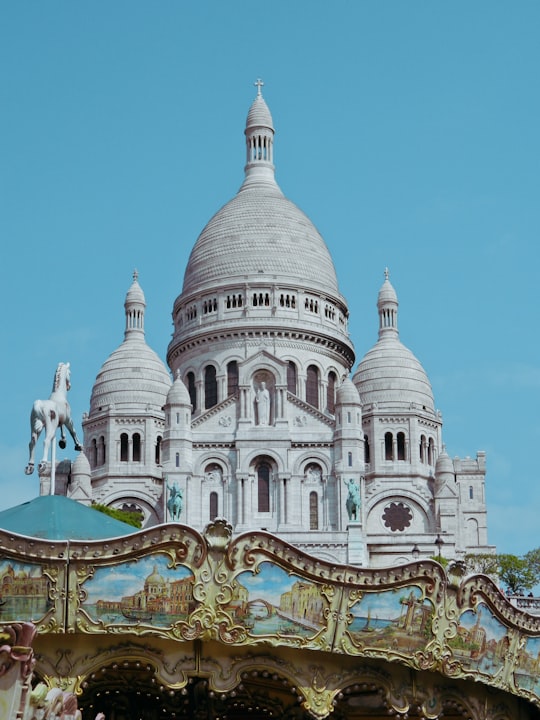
(263, 424)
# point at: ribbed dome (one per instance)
(390, 375)
(258, 234)
(178, 394)
(133, 376)
(155, 578)
(444, 464)
(81, 466)
(347, 394)
(259, 114)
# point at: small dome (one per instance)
(155, 578)
(347, 394)
(259, 114)
(391, 376)
(81, 466)
(444, 464)
(178, 394)
(133, 377)
(135, 293)
(387, 292)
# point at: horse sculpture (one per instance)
(174, 503)
(50, 415)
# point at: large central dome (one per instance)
(259, 232)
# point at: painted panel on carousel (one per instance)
(527, 668)
(481, 642)
(398, 620)
(24, 592)
(274, 602)
(144, 591)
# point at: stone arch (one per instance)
(398, 515)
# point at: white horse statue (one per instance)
(50, 415)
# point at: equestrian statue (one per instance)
(174, 503)
(51, 414)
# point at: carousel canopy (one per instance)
(55, 517)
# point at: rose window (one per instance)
(397, 516)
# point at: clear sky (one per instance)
(408, 131)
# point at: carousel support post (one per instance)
(53, 465)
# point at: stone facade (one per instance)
(267, 424)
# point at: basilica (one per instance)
(267, 421)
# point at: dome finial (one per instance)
(386, 273)
(258, 84)
(135, 274)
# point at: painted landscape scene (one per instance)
(272, 602)
(142, 591)
(527, 673)
(481, 642)
(397, 619)
(24, 592)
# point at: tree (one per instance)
(516, 574)
(125, 516)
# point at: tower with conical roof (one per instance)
(124, 429)
(411, 496)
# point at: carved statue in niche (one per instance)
(313, 473)
(262, 403)
(213, 473)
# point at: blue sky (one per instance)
(407, 131)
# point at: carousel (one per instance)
(167, 623)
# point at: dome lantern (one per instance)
(259, 134)
(387, 304)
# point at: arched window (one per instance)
(431, 452)
(136, 447)
(232, 378)
(401, 446)
(213, 505)
(177, 460)
(210, 387)
(292, 378)
(94, 455)
(366, 449)
(158, 449)
(123, 447)
(388, 446)
(312, 386)
(263, 487)
(331, 393)
(192, 389)
(102, 454)
(349, 459)
(313, 511)
(471, 492)
(421, 448)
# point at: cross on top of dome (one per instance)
(258, 84)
